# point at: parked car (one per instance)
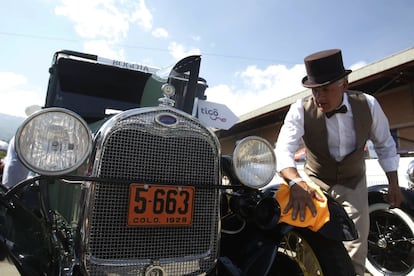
(391, 236)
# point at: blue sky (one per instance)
(252, 51)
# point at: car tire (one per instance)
(312, 254)
(390, 241)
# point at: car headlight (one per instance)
(53, 141)
(254, 162)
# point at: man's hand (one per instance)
(301, 196)
(395, 196)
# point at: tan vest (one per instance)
(320, 166)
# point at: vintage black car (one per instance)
(83, 131)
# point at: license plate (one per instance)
(160, 205)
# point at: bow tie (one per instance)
(341, 109)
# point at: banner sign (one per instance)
(216, 115)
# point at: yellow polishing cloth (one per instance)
(313, 223)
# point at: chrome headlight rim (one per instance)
(266, 145)
(39, 114)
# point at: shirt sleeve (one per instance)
(384, 143)
(290, 137)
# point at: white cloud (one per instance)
(358, 65)
(104, 49)
(107, 19)
(239, 103)
(259, 87)
(160, 33)
(179, 51)
(9, 80)
(16, 95)
(142, 15)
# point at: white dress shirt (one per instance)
(341, 135)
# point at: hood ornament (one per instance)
(169, 91)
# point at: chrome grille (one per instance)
(136, 147)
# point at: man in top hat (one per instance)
(334, 125)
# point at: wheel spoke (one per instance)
(390, 241)
(295, 247)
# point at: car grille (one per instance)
(137, 147)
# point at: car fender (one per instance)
(377, 193)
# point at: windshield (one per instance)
(93, 89)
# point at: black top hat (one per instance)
(323, 68)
